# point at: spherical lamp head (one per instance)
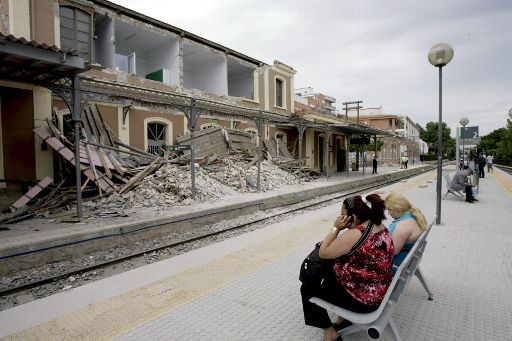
(440, 54)
(464, 121)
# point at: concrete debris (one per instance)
(170, 185)
(232, 172)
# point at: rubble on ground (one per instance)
(233, 172)
(170, 185)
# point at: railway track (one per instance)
(272, 216)
(507, 169)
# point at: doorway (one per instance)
(341, 156)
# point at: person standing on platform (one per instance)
(482, 161)
(406, 161)
(489, 163)
(374, 163)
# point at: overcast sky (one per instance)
(370, 50)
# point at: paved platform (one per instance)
(247, 287)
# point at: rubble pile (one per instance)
(117, 175)
(170, 185)
(235, 172)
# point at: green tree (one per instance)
(429, 135)
(504, 147)
(489, 143)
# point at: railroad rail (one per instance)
(507, 169)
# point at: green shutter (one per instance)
(156, 76)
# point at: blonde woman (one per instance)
(407, 227)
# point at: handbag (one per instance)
(314, 270)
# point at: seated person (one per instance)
(460, 182)
(407, 227)
(360, 282)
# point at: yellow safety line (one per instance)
(503, 180)
(121, 314)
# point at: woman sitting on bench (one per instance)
(360, 282)
(407, 227)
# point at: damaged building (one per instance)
(150, 84)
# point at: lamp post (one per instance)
(440, 55)
(463, 122)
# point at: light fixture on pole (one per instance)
(463, 122)
(440, 55)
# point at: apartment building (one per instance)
(411, 144)
(376, 118)
(315, 100)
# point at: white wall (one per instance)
(209, 76)
(242, 85)
(163, 58)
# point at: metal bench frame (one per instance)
(449, 190)
(376, 321)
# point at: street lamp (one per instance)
(440, 55)
(463, 122)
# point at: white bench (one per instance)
(376, 321)
(449, 190)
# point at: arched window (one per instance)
(158, 135)
(75, 30)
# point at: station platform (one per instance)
(247, 287)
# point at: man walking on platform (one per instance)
(374, 163)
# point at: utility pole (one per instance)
(347, 108)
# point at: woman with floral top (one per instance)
(360, 282)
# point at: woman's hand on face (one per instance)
(343, 221)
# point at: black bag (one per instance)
(314, 270)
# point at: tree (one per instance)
(429, 135)
(489, 143)
(504, 147)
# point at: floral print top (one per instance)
(367, 273)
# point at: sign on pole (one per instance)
(469, 133)
(178, 148)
